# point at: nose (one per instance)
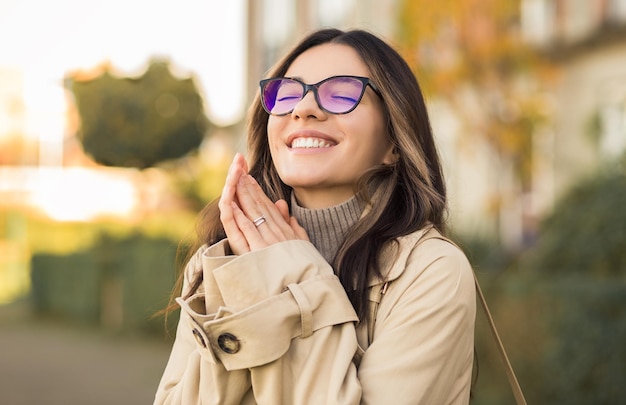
(308, 107)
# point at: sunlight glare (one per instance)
(78, 194)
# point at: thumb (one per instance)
(283, 208)
(300, 232)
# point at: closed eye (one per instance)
(287, 98)
(345, 98)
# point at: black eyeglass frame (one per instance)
(314, 87)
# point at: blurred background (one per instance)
(118, 120)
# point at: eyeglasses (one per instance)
(335, 95)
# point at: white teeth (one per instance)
(310, 143)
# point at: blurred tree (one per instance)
(138, 122)
(579, 267)
(470, 54)
(585, 361)
(586, 234)
(200, 182)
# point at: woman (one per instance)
(323, 276)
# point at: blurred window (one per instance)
(613, 129)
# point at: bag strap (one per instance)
(517, 390)
(376, 295)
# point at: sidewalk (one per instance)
(42, 362)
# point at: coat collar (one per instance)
(396, 253)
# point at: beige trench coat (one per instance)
(275, 327)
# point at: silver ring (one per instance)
(259, 221)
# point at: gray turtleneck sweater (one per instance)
(327, 227)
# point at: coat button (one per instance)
(199, 338)
(228, 343)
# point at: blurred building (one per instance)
(11, 102)
(15, 147)
(276, 25)
(586, 38)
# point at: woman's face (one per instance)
(319, 154)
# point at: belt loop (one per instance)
(306, 312)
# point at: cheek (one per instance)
(273, 131)
(379, 144)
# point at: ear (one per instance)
(392, 155)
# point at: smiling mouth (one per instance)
(307, 143)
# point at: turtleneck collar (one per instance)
(327, 227)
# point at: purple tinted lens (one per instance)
(340, 94)
(280, 96)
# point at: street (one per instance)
(53, 363)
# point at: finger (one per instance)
(298, 230)
(255, 204)
(236, 238)
(253, 200)
(235, 171)
(283, 208)
(288, 227)
(250, 232)
(227, 202)
(242, 160)
(238, 241)
(279, 212)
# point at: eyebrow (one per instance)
(296, 77)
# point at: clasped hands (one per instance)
(250, 219)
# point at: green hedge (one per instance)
(585, 361)
(119, 283)
(66, 286)
(564, 335)
(561, 307)
(580, 262)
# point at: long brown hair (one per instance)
(407, 195)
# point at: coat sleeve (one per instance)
(191, 375)
(281, 328)
(422, 350)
